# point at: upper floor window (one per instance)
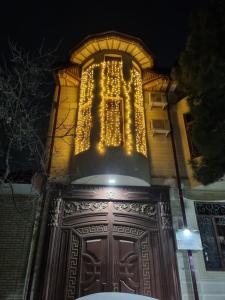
(211, 222)
(188, 121)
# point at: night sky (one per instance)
(163, 25)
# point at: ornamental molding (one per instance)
(55, 211)
(213, 209)
(92, 229)
(145, 209)
(146, 270)
(165, 215)
(71, 286)
(116, 193)
(121, 229)
(75, 207)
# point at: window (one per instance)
(211, 222)
(188, 121)
(161, 126)
(113, 58)
(157, 99)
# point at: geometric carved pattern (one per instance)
(55, 211)
(214, 209)
(165, 215)
(73, 268)
(220, 221)
(145, 209)
(128, 230)
(92, 229)
(74, 207)
(145, 257)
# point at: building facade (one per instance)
(120, 184)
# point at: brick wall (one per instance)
(17, 216)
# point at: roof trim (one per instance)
(112, 40)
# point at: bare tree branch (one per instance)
(25, 82)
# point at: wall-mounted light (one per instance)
(111, 181)
(187, 232)
(188, 239)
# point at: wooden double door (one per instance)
(100, 246)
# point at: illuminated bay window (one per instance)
(120, 108)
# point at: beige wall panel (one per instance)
(160, 146)
(65, 130)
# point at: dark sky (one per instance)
(162, 25)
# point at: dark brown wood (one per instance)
(115, 193)
(111, 245)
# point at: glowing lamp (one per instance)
(111, 181)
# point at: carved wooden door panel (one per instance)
(126, 277)
(93, 265)
(108, 246)
(136, 260)
(111, 260)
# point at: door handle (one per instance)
(115, 287)
(104, 284)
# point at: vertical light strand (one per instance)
(101, 144)
(127, 116)
(111, 105)
(140, 132)
(84, 120)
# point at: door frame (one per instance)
(157, 195)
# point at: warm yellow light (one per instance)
(115, 109)
(84, 121)
(111, 105)
(101, 144)
(140, 132)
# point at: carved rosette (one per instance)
(145, 209)
(165, 215)
(75, 207)
(55, 211)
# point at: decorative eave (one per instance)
(153, 81)
(113, 41)
(69, 76)
(156, 82)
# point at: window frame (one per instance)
(211, 211)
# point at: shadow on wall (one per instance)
(114, 161)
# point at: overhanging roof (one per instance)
(113, 41)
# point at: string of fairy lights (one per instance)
(139, 113)
(115, 109)
(111, 105)
(84, 121)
